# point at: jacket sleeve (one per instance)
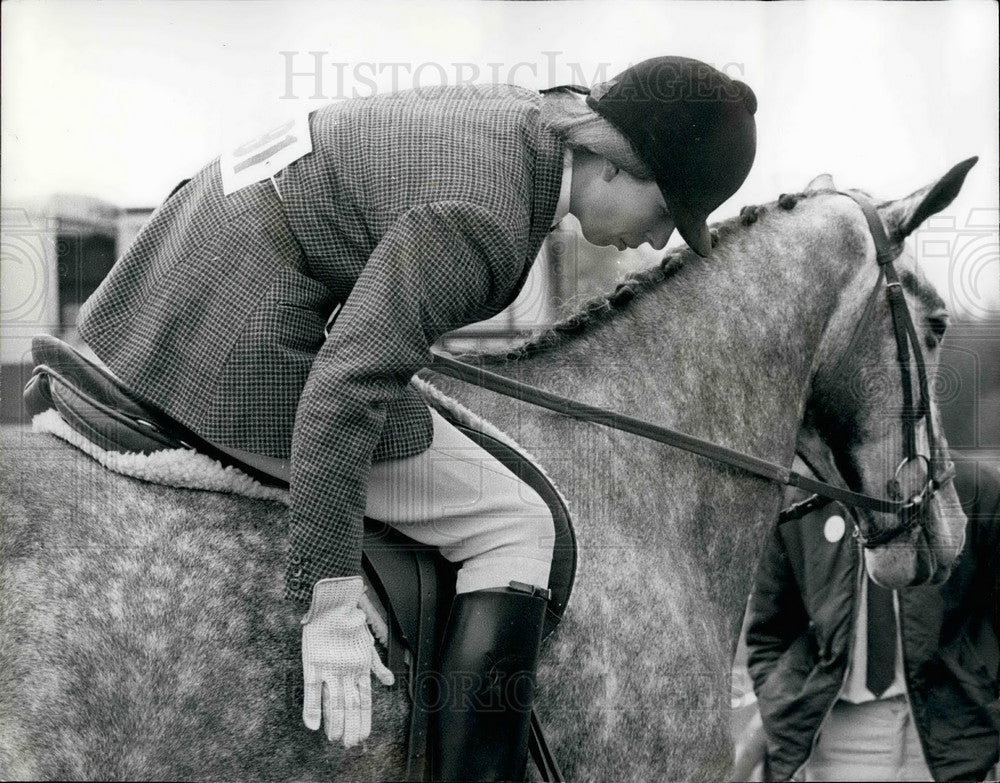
(440, 266)
(777, 615)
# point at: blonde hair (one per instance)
(566, 114)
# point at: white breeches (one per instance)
(459, 498)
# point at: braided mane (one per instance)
(604, 307)
(597, 310)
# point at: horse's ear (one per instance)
(906, 214)
(822, 182)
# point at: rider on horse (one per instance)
(280, 302)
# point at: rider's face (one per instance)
(615, 208)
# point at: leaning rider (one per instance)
(280, 302)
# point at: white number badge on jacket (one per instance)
(266, 155)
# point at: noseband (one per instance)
(912, 509)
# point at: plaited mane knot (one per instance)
(788, 200)
(749, 214)
(623, 293)
(671, 264)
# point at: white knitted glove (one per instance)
(338, 658)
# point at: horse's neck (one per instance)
(722, 351)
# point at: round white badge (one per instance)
(834, 528)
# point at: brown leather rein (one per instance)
(910, 510)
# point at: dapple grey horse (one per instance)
(145, 637)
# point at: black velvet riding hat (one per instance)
(693, 126)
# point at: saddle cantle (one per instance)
(413, 581)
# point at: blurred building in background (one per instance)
(54, 253)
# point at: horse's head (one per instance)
(876, 435)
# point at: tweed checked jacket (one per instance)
(418, 212)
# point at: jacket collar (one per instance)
(562, 206)
(548, 183)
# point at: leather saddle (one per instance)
(413, 581)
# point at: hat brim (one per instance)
(691, 225)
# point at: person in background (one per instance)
(856, 682)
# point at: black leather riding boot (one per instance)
(488, 659)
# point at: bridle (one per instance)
(909, 510)
(913, 508)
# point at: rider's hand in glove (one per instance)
(338, 659)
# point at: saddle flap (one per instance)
(412, 581)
